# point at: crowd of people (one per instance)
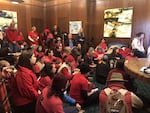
(51, 70)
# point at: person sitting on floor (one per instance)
(51, 98)
(115, 83)
(81, 89)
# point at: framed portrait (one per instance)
(118, 22)
(7, 17)
(74, 26)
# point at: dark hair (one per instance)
(75, 53)
(24, 59)
(84, 68)
(47, 70)
(139, 34)
(49, 50)
(58, 83)
(120, 64)
(39, 47)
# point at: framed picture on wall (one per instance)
(118, 22)
(74, 26)
(7, 17)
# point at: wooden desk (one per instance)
(132, 67)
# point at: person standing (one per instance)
(24, 92)
(80, 37)
(11, 36)
(33, 36)
(138, 45)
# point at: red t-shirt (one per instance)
(34, 36)
(78, 83)
(103, 45)
(11, 35)
(51, 104)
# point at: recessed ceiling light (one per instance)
(14, 2)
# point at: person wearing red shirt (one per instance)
(11, 36)
(131, 55)
(51, 99)
(116, 82)
(103, 45)
(33, 36)
(21, 41)
(98, 54)
(39, 64)
(46, 76)
(50, 58)
(25, 85)
(79, 89)
(4, 101)
(67, 67)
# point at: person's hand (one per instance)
(76, 70)
(39, 92)
(78, 106)
(8, 72)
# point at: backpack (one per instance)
(115, 102)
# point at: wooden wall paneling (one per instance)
(21, 15)
(89, 11)
(22, 20)
(101, 6)
(51, 16)
(37, 11)
(37, 17)
(147, 31)
(91, 8)
(38, 23)
(140, 18)
(63, 24)
(63, 17)
(78, 12)
(24, 13)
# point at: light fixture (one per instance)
(16, 1)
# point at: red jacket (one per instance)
(11, 35)
(25, 87)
